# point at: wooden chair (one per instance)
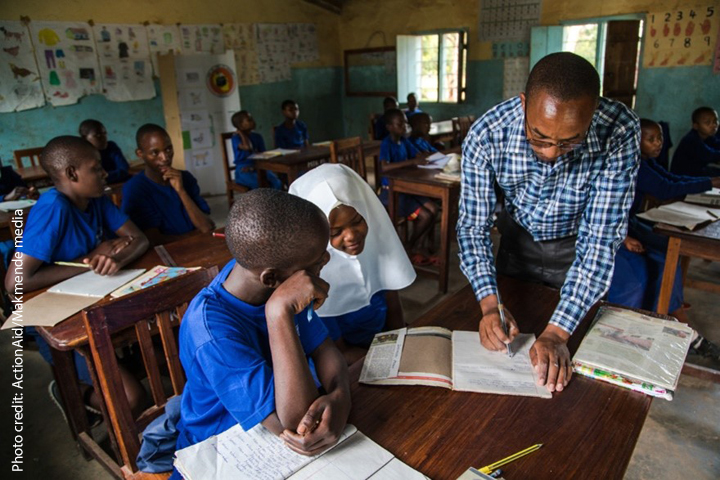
(349, 151)
(371, 129)
(159, 308)
(230, 186)
(461, 127)
(33, 154)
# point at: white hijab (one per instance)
(383, 263)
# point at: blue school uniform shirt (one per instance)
(654, 180)
(392, 152)
(380, 128)
(56, 230)
(225, 351)
(151, 205)
(242, 157)
(291, 137)
(359, 327)
(9, 179)
(693, 155)
(409, 113)
(422, 145)
(114, 163)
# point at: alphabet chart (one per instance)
(502, 20)
(683, 37)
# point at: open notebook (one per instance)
(271, 153)
(437, 357)
(682, 214)
(259, 455)
(67, 298)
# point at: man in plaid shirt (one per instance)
(565, 160)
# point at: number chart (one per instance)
(683, 37)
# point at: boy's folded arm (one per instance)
(199, 219)
(136, 245)
(34, 274)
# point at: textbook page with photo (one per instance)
(634, 350)
(258, 454)
(438, 357)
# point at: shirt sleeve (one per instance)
(658, 182)
(412, 151)
(135, 206)
(312, 330)
(477, 200)
(385, 151)
(603, 227)
(304, 131)
(193, 189)
(240, 155)
(113, 218)
(42, 232)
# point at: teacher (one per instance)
(565, 160)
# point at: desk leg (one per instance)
(392, 201)
(668, 278)
(292, 175)
(66, 378)
(444, 241)
(262, 178)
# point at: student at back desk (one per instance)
(700, 147)
(292, 133)
(420, 134)
(75, 222)
(112, 159)
(163, 201)
(245, 340)
(246, 142)
(379, 128)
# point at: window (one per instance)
(432, 66)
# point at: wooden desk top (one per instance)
(588, 431)
(710, 233)
(201, 250)
(420, 175)
(32, 173)
(310, 154)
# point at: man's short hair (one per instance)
(65, 151)
(392, 101)
(393, 114)
(88, 126)
(238, 117)
(147, 129)
(415, 120)
(287, 103)
(564, 76)
(647, 123)
(269, 228)
(699, 112)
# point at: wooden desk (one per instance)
(422, 181)
(34, 175)
(703, 243)
(589, 430)
(294, 164)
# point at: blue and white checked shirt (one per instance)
(587, 192)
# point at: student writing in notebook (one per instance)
(111, 157)
(368, 264)
(75, 222)
(640, 260)
(163, 201)
(246, 339)
(291, 133)
(245, 142)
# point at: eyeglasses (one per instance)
(562, 146)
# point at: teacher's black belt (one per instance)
(522, 257)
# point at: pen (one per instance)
(490, 468)
(505, 328)
(218, 234)
(74, 264)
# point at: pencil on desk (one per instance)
(218, 234)
(494, 466)
(74, 264)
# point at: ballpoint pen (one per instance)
(505, 328)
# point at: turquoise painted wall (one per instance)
(484, 90)
(671, 94)
(316, 92)
(36, 127)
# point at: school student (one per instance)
(412, 105)
(246, 339)
(368, 264)
(245, 143)
(75, 222)
(163, 201)
(397, 152)
(640, 260)
(420, 134)
(12, 186)
(291, 133)
(379, 127)
(111, 157)
(700, 147)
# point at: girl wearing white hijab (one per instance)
(368, 263)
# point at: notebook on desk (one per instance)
(272, 153)
(681, 214)
(260, 455)
(12, 205)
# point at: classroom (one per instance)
(245, 239)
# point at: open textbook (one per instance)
(635, 351)
(260, 455)
(272, 153)
(711, 198)
(438, 161)
(154, 276)
(69, 297)
(435, 356)
(682, 214)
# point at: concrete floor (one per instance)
(680, 439)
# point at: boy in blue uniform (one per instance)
(245, 339)
(380, 129)
(397, 152)
(111, 157)
(292, 133)
(163, 201)
(75, 222)
(699, 147)
(244, 143)
(420, 134)
(412, 105)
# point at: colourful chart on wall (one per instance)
(125, 64)
(303, 42)
(240, 37)
(66, 58)
(162, 39)
(20, 87)
(274, 53)
(201, 39)
(683, 37)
